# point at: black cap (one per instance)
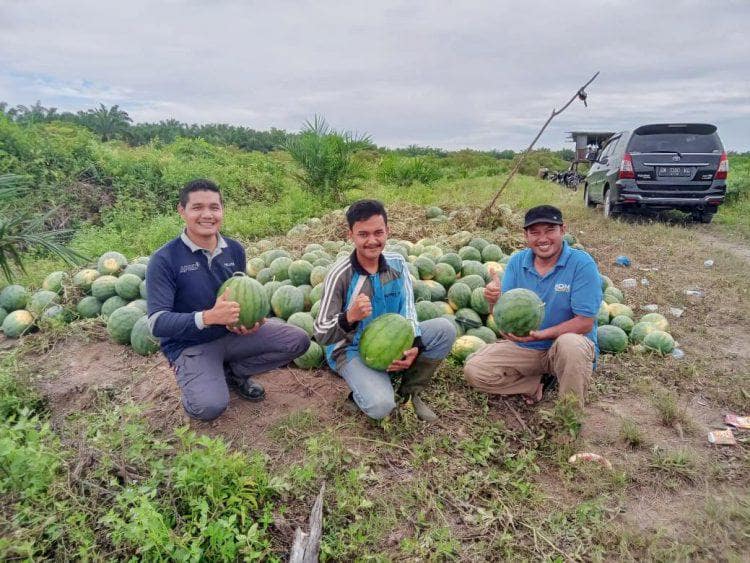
(542, 214)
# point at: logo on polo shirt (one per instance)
(563, 287)
(228, 264)
(189, 268)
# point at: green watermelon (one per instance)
(484, 333)
(136, 270)
(89, 307)
(618, 309)
(612, 339)
(459, 296)
(624, 322)
(443, 307)
(318, 275)
(569, 238)
(84, 279)
(425, 266)
(264, 276)
(385, 339)
(142, 290)
(128, 286)
(473, 267)
(280, 268)
(437, 291)
(433, 212)
(140, 303)
(251, 297)
(104, 287)
(657, 319)
(659, 341)
(121, 323)
(492, 253)
(478, 301)
(271, 255)
(445, 275)
(479, 243)
(492, 325)
(112, 304)
(602, 317)
(470, 253)
(55, 315)
(54, 281)
(468, 318)
(473, 281)
(3, 314)
(315, 309)
(453, 259)
(302, 320)
(465, 346)
(141, 339)
(41, 300)
(17, 322)
(613, 295)
(518, 312)
(313, 246)
(306, 290)
(606, 282)
(13, 297)
(640, 330)
(421, 291)
(111, 263)
(142, 260)
(316, 293)
(299, 272)
(312, 358)
(254, 265)
(427, 310)
(286, 301)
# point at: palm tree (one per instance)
(108, 123)
(21, 232)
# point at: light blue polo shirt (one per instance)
(572, 287)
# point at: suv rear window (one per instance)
(683, 138)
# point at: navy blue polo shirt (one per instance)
(573, 287)
(182, 280)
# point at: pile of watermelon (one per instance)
(448, 275)
(114, 290)
(618, 327)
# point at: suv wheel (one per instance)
(586, 198)
(705, 217)
(608, 208)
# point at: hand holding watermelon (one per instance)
(405, 361)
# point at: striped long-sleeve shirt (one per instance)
(390, 291)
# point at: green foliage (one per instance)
(541, 158)
(325, 157)
(108, 123)
(22, 232)
(404, 171)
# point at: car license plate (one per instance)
(675, 171)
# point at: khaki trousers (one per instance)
(504, 368)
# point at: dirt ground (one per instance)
(709, 382)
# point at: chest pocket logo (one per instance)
(228, 264)
(563, 287)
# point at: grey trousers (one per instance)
(200, 369)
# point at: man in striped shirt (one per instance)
(360, 288)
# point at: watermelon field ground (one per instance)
(114, 469)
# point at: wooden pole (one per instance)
(580, 93)
(306, 546)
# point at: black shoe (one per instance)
(247, 388)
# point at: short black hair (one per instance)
(198, 185)
(363, 209)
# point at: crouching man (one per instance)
(196, 329)
(569, 284)
(367, 284)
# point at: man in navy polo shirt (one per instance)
(195, 328)
(569, 284)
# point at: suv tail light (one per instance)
(721, 172)
(626, 168)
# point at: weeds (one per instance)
(631, 433)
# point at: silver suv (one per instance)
(656, 167)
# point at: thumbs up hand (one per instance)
(224, 312)
(492, 289)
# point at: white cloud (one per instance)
(482, 74)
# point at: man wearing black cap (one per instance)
(569, 284)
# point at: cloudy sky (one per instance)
(479, 74)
